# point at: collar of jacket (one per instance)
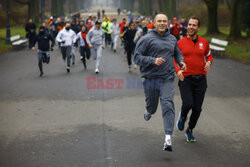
(164, 35)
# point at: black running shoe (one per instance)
(84, 65)
(68, 70)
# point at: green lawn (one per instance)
(13, 31)
(239, 49)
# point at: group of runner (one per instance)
(160, 48)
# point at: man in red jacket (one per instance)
(175, 28)
(192, 82)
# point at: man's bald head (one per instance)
(161, 23)
(160, 15)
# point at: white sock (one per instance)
(168, 139)
(147, 112)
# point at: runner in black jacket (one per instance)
(129, 42)
(30, 29)
(43, 39)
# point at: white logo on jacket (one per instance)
(201, 45)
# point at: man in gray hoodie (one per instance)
(96, 40)
(155, 53)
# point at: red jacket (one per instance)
(84, 36)
(175, 29)
(195, 55)
(121, 25)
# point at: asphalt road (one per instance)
(56, 121)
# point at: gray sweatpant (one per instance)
(66, 51)
(42, 59)
(163, 89)
(96, 53)
(73, 53)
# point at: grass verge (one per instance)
(237, 49)
(17, 30)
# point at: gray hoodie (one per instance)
(152, 46)
(95, 37)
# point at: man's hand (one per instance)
(90, 46)
(183, 66)
(180, 75)
(159, 61)
(103, 46)
(63, 42)
(33, 48)
(207, 66)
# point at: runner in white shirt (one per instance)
(66, 37)
(115, 32)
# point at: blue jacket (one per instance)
(152, 46)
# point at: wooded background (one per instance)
(233, 13)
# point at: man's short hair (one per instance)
(160, 14)
(195, 18)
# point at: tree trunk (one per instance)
(212, 25)
(155, 5)
(235, 30)
(131, 5)
(34, 10)
(163, 6)
(53, 8)
(172, 9)
(229, 6)
(57, 8)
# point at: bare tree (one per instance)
(235, 30)
(212, 25)
(33, 8)
(168, 7)
(57, 7)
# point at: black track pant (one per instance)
(192, 91)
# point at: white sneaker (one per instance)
(135, 66)
(96, 71)
(168, 144)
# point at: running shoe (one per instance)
(85, 66)
(189, 136)
(147, 116)
(181, 122)
(168, 145)
(96, 71)
(68, 69)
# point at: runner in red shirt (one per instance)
(122, 24)
(192, 82)
(150, 25)
(175, 28)
(89, 24)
